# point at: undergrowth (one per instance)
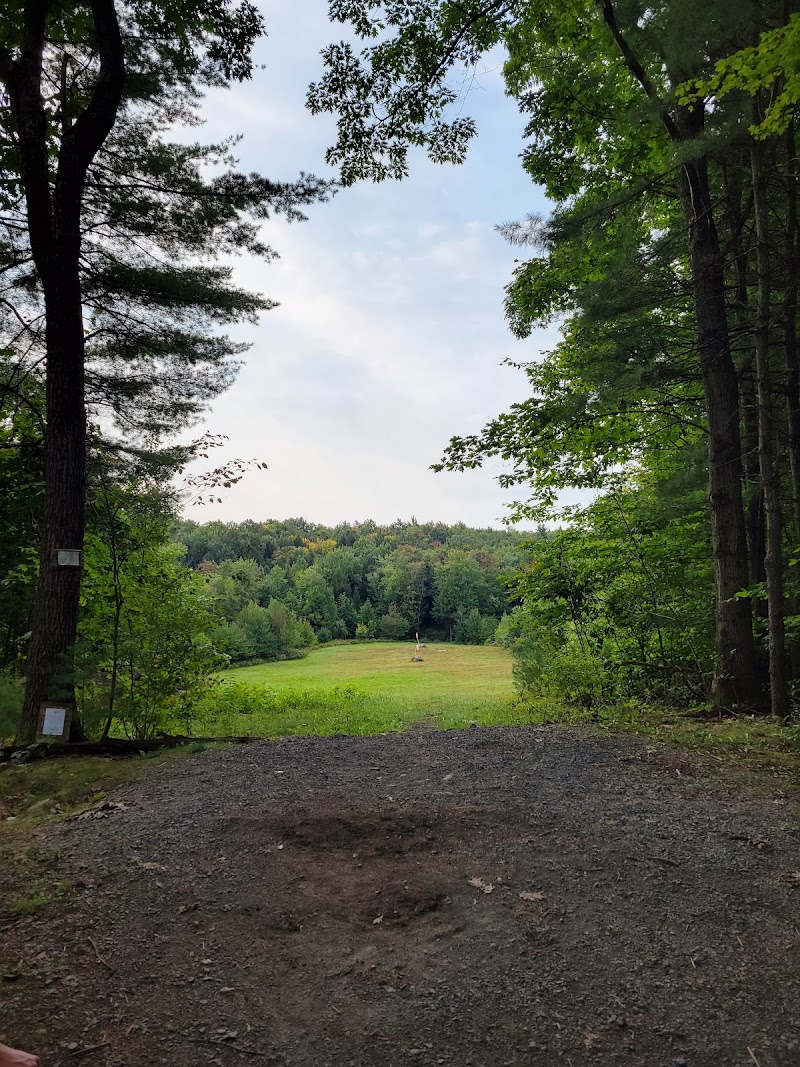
(265, 711)
(748, 738)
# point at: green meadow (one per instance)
(376, 687)
(365, 689)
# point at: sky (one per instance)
(390, 336)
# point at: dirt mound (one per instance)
(526, 896)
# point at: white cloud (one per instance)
(390, 334)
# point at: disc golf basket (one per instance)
(417, 658)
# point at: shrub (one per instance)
(10, 704)
(393, 626)
(256, 623)
(475, 629)
(300, 633)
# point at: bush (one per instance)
(230, 640)
(567, 672)
(508, 631)
(10, 704)
(324, 635)
(256, 624)
(393, 626)
(300, 633)
(475, 629)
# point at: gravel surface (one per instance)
(485, 897)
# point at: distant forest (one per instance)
(277, 587)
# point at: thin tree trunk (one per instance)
(792, 371)
(744, 357)
(735, 682)
(790, 328)
(112, 689)
(768, 463)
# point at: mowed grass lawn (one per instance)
(372, 688)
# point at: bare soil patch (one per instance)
(486, 897)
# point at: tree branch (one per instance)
(637, 70)
(85, 138)
(23, 80)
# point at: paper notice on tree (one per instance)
(54, 719)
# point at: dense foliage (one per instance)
(115, 301)
(279, 586)
(665, 140)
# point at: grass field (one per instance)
(367, 688)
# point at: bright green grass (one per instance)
(376, 688)
(371, 688)
(385, 668)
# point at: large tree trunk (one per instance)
(54, 221)
(55, 622)
(767, 458)
(735, 683)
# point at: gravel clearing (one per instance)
(485, 897)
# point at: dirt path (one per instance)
(526, 896)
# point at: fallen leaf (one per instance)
(531, 896)
(478, 883)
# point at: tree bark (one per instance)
(736, 215)
(735, 683)
(790, 329)
(54, 219)
(767, 457)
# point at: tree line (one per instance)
(114, 302)
(665, 140)
(279, 586)
(666, 144)
(167, 603)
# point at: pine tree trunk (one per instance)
(54, 231)
(767, 457)
(55, 620)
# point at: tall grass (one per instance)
(10, 705)
(238, 709)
